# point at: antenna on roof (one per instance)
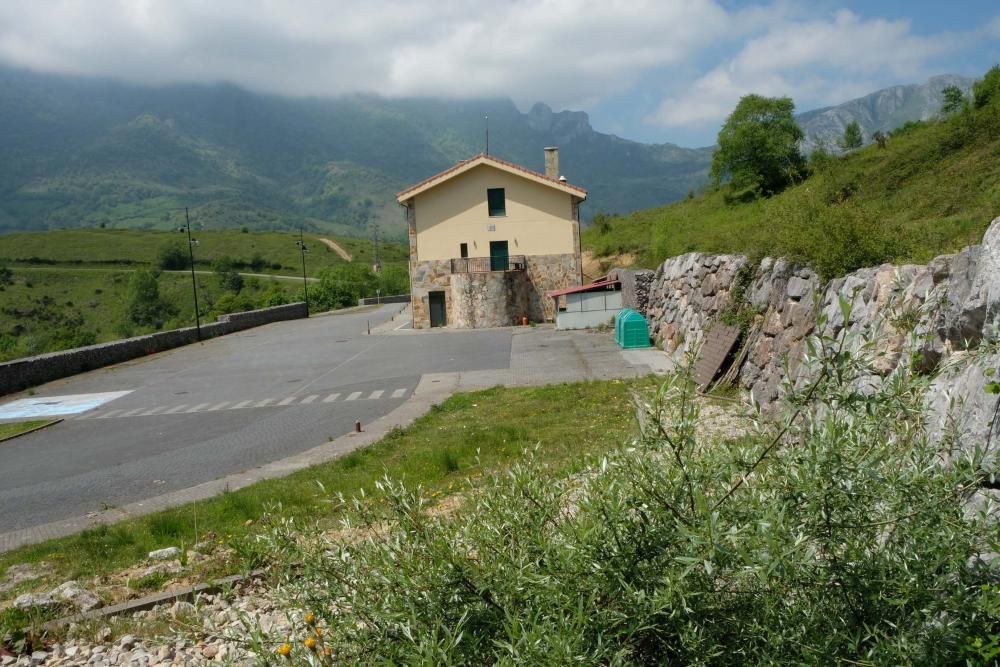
(487, 118)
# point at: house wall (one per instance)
(539, 219)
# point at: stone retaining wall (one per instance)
(32, 371)
(951, 304)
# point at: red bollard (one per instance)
(357, 426)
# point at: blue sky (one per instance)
(652, 70)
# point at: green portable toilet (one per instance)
(631, 330)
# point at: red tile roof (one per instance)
(582, 288)
(488, 158)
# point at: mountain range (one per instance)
(97, 152)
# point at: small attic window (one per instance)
(497, 202)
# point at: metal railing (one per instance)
(488, 264)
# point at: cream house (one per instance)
(488, 239)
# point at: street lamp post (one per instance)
(194, 283)
(301, 243)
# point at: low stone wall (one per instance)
(392, 298)
(32, 371)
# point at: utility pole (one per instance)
(378, 261)
(301, 243)
(194, 282)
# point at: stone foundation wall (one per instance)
(547, 273)
(495, 299)
(32, 371)
(466, 301)
(427, 276)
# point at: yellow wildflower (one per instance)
(310, 643)
(309, 618)
(285, 650)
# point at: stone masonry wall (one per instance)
(32, 371)
(952, 304)
(494, 299)
(426, 276)
(547, 273)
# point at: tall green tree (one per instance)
(852, 138)
(144, 305)
(759, 146)
(987, 89)
(954, 99)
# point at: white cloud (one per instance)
(815, 62)
(561, 51)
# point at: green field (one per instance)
(132, 247)
(933, 189)
(69, 288)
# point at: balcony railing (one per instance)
(488, 264)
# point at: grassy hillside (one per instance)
(70, 288)
(933, 189)
(81, 152)
(135, 247)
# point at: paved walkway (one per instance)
(538, 355)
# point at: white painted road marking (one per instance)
(45, 406)
(187, 408)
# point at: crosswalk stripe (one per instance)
(175, 409)
(241, 404)
(331, 398)
(376, 394)
(310, 399)
(199, 407)
(132, 413)
(87, 415)
(260, 404)
(399, 393)
(286, 401)
(218, 406)
(110, 413)
(354, 396)
(153, 411)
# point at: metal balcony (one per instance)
(488, 264)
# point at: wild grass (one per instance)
(11, 429)
(933, 189)
(463, 438)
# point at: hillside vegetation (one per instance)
(66, 289)
(932, 189)
(80, 152)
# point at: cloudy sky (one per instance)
(656, 70)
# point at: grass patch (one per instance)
(11, 429)
(463, 437)
(932, 190)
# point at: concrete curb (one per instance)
(428, 392)
(30, 430)
(150, 601)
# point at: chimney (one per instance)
(552, 162)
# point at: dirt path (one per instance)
(333, 245)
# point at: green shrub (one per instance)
(833, 536)
(173, 256)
